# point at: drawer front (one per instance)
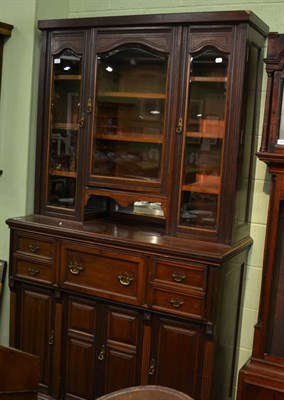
(184, 276)
(104, 273)
(39, 272)
(178, 303)
(33, 245)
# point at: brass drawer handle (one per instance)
(125, 278)
(75, 268)
(177, 302)
(178, 276)
(33, 248)
(101, 356)
(33, 272)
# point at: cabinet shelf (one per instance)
(67, 174)
(208, 79)
(143, 138)
(65, 125)
(200, 187)
(136, 95)
(208, 128)
(207, 135)
(67, 77)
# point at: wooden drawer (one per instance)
(34, 245)
(39, 272)
(178, 303)
(104, 273)
(185, 276)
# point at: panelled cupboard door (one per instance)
(35, 329)
(79, 342)
(122, 347)
(101, 348)
(176, 355)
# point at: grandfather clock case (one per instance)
(263, 376)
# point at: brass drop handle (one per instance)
(33, 272)
(82, 120)
(75, 268)
(179, 127)
(51, 338)
(33, 248)
(125, 278)
(101, 356)
(178, 276)
(151, 370)
(177, 302)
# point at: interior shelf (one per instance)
(208, 79)
(65, 125)
(131, 138)
(67, 174)
(138, 95)
(201, 187)
(216, 135)
(67, 77)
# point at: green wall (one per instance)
(18, 104)
(18, 118)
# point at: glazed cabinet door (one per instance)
(101, 351)
(35, 330)
(64, 122)
(130, 133)
(204, 128)
(177, 355)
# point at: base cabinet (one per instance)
(34, 326)
(156, 318)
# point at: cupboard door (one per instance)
(121, 348)
(35, 329)
(176, 355)
(132, 102)
(79, 342)
(204, 133)
(66, 119)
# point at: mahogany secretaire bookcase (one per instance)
(130, 270)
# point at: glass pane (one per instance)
(204, 140)
(61, 191)
(127, 159)
(63, 150)
(130, 109)
(64, 126)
